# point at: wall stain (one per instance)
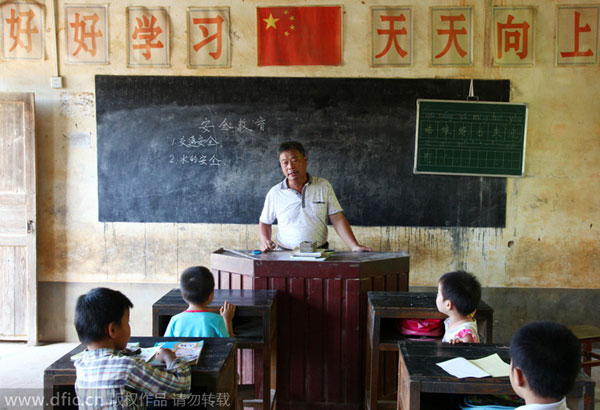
(76, 105)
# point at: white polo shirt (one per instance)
(300, 217)
(559, 405)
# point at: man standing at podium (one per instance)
(301, 204)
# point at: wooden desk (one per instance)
(384, 311)
(321, 326)
(418, 373)
(254, 326)
(214, 373)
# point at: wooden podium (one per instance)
(321, 318)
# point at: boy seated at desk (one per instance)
(198, 289)
(458, 296)
(545, 361)
(106, 377)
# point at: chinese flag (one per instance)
(299, 35)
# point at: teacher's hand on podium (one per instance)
(267, 245)
(360, 248)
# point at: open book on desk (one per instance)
(189, 351)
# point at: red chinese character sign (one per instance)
(148, 36)
(391, 36)
(87, 34)
(299, 35)
(513, 35)
(208, 30)
(22, 31)
(577, 35)
(451, 36)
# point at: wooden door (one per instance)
(18, 281)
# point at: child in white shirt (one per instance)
(545, 360)
(458, 296)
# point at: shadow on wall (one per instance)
(56, 307)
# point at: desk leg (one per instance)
(266, 379)
(489, 338)
(155, 324)
(373, 327)
(409, 393)
(272, 371)
(48, 390)
(584, 401)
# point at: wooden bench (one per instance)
(213, 374)
(419, 373)
(587, 335)
(255, 329)
(384, 311)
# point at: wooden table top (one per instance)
(382, 301)
(215, 353)
(421, 360)
(252, 299)
(337, 256)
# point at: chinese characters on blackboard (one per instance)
(205, 146)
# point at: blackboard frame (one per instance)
(358, 133)
(465, 108)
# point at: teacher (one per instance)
(301, 204)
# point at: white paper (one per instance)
(493, 364)
(461, 367)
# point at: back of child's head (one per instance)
(95, 310)
(197, 283)
(549, 355)
(462, 289)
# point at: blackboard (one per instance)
(470, 138)
(204, 149)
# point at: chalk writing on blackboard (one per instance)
(472, 138)
(204, 148)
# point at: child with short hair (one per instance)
(106, 377)
(458, 296)
(198, 289)
(545, 360)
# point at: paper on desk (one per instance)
(491, 365)
(461, 367)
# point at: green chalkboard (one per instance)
(470, 138)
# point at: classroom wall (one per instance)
(552, 222)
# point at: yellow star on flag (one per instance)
(271, 21)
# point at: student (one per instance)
(106, 377)
(198, 289)
(458, 296)
(545, 360)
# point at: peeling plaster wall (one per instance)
(552, 233)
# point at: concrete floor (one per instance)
(22, 368)
(22, 371)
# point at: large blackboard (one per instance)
(204, 149)
(470, 138)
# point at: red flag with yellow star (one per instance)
(299, 35)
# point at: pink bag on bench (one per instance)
(433, 328)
